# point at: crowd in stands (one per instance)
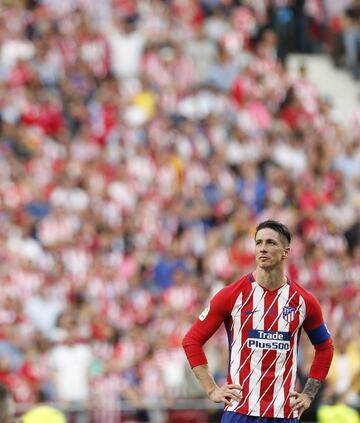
(141, 142)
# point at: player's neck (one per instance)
(270, 279)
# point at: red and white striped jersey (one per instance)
(263, 329)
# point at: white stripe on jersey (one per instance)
(236, 314)
(255, 370)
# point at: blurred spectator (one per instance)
(351, 36)
(125, 41)
(165, 267)
(43, 310)
(70, 364)
(223, 72)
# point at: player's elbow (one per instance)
(322, 360)
(193, 350)
(327, 345)
(188, 341)
(191, 344)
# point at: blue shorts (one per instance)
(232, 417)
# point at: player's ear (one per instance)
(286, 252)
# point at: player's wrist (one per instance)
(311, 388)
(309, 396)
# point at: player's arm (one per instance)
(320, 337)
(225, 393)
(203, 328)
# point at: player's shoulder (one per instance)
(227, 296)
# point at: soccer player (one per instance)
(263, 313)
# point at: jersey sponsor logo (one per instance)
(204, 313)
(288, 313)
(251, 312)
(269, 340)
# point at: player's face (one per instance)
(270, 249)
